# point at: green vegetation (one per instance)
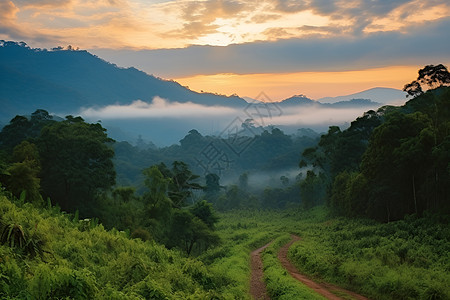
(280, 285)
(407, 259)
(270, 151)
(387, 164)
(45, 254)
(163, 239)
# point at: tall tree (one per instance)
(23, 172)
(181, 182)
(158, 204)
(76, 162)
(431, 75)
(395, 162)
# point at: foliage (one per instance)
(95, 263)
(279, 283)
(431, 75)
(269, 150)
(23, 172)
(406, 259)
(388, 163)
(188, 231)
(76, 163)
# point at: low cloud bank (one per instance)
(158, 108)
(165, 122)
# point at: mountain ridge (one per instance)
(377, 94)
(62, 81)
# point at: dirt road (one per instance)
(327, 290)
(257, 285)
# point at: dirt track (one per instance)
(327, 290)
(258, 288)
(257, 285)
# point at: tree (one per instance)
(181, 182)
(212, 187)
(21, 128)
(188, 231)
(434, 76)
(23, 172)
(431, 75)
(15, 132)
(76, 163)
(157, 204)
(205, 212)
(395, 165)
(312, 189)
(193, 140)
(413, 89)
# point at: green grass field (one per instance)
(63, 256)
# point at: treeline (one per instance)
(252, 150)
(68, 162)
(391, 162)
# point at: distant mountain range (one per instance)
(75, 82)
(63, 81)
(378, 94)
(302, 100)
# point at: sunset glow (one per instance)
(284, 47)
(312, 84)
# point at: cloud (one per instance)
(9, 26)
(165, 122)
(43, 3)
(163, 109)
(179, 23)
(317, 116)
(49, 23)
(8, 11)
(423, 44)
(159, 108)
(290, 6)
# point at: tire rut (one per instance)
(257, 286)
(327, 290)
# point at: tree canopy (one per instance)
(432, 76)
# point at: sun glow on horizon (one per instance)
(315, 85)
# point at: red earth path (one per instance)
(258, 288)
(257, 285)
(327, 290)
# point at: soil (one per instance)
(327, 290)
(257, 285)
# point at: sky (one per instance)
(281, 47)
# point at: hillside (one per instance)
(63, 81)
(60, 256)
(378, 94)
(301, 100)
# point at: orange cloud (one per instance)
(8, 11)
(179, 23)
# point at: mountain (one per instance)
(63, 81)
(301, 100)
(381, 95)
(353, 103)
(297, 100)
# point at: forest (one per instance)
(85, 217)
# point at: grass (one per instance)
(407, 259)
(280, 284)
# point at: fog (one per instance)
(165, 123)
(158, 108)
